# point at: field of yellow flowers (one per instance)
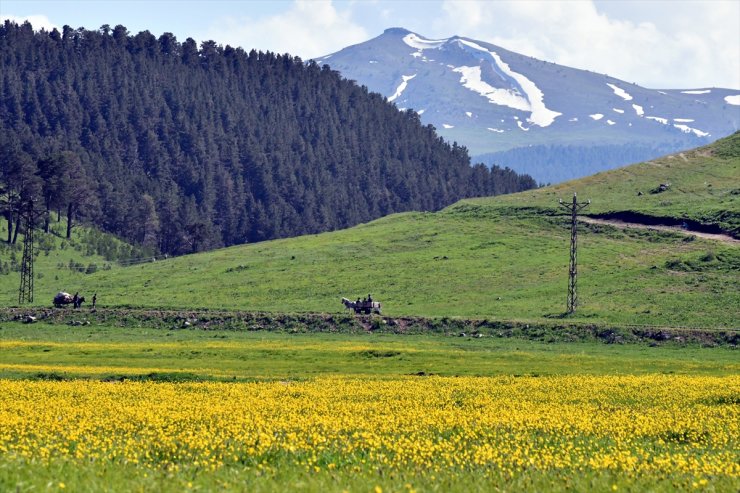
(664, 429)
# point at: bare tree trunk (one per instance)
(17, 228)
(70, 211)
(9, 217)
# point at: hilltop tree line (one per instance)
(184, 148)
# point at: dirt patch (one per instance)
(686, 229)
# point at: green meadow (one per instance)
(189, 357)
(100, 352)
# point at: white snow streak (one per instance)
(618, 110)
(541, 115)
(705, 91)
(445, 125)
(687, 130)
(638, 109)
(420, 112)
(611, 122)
(402, 86)
(522, 126)
(471, 79)
(734, 100)
(574, 119)
(597, 116)
(658, 119)
(683, 120)
(470, 114)
(373, 61)
(420, 43)
(495, 130)
(620, 92)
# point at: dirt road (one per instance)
(676, 229)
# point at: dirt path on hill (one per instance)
(675, 229)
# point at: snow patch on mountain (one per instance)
(734, 100)
(401, 87)
(519, 123)
(683, 120)
(617, 110)
(541, 115)
(471, 79)
(495, 130)
(620, 92)
(638, 109)
(469, 113)
(658, 119)
(446, 125)
(611, 122)
(597, 116)
(705, 91)
(687, 130)
(416, 41)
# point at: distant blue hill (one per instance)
(498, 103)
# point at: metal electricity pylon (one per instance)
(573, 269)
(25, 292)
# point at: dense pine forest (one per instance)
(184, 148)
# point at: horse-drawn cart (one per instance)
(362, 306)
(62, 298)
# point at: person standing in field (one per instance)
(95, 300)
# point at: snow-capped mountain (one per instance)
(549, 120)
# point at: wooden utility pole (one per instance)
(25, 292)
(573, 269)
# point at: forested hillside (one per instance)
(186, 148)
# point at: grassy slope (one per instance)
(504, 258)
(705, 186)
(60, 264)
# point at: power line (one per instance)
(573, 268)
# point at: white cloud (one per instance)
(684, 44)
(37, 21)
(307, 29)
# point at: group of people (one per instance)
(77, 300)
(364, 301)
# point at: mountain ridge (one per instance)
(495, 101)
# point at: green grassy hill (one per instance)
(503, 258)
(704, 187)
(61, 264)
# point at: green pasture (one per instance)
(106, 352)
(461, 262)
(47, 351)
(63, 476)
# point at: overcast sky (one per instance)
(654, 43)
